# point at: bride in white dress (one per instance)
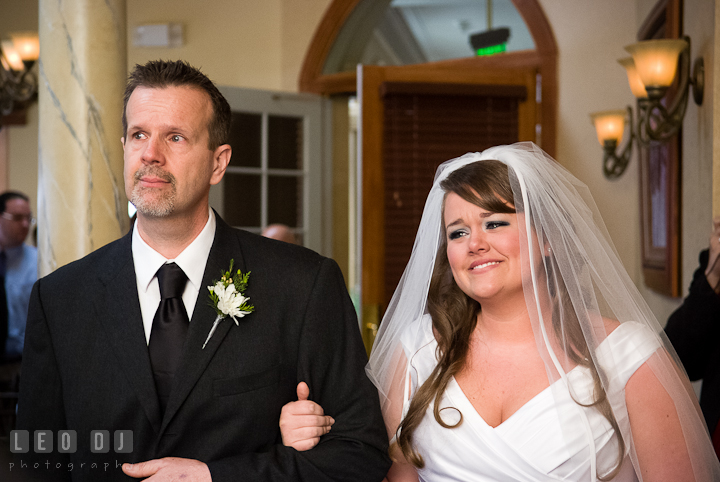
(516, 347)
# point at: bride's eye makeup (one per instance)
(490, 225)
(458, 233)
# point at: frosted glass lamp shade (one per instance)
(636, 85)
(656, 60)
(11, 56)
(27, 45)
(610, 125)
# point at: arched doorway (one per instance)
(533, 70)
(544, 58)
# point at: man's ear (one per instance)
(122, 141)
(221, 159)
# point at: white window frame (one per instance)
(316, 172)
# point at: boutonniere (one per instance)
(226, 298)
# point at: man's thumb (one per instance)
(142, 469)
(303, 391)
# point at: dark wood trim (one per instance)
(654, 22)
(341, 83)
(538, 25)
(547, 48)
(373, 189)
(664, 19)
(430, 88)
(325, 35)
(17, 117)
(661, 265)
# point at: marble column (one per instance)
(82, 72)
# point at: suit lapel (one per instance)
(118, 309)
(195, 359)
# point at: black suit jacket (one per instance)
(86, 367)
(694, 330)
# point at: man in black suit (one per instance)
(694, 330)
(105, 350)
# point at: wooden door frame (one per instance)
(662, 265)
(543, 58)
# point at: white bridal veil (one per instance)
(582, 281)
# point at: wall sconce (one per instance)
(17, 81)
(651, 71)
(610, 126)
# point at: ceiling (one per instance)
(441, 28)
(402, 32)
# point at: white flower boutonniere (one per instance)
(226, 297)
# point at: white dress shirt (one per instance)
(192, 261)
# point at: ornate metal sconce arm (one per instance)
(659, 123)
(613, 164)
(16, 87)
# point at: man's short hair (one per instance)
(9, 195)
(158, 74)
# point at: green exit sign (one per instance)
(491, 50)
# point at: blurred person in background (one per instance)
(18, 272)
(280, 232)
(694, 330)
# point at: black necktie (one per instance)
(169, 328)
(3, 306)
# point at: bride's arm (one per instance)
(656, 429)
(398, 391)
(401, 470)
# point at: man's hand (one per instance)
(302, 423)
(169, 469)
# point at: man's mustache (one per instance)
(154, 171)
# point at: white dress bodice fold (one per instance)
(546, 439)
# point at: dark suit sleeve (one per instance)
(694, 328)
(40, 405)
(332, 361)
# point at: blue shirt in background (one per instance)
(20, 275)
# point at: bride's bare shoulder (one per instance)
(610, 324)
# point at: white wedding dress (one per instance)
(531, 445)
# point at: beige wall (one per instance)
(590, 80)
(240, 43)
(300, 19)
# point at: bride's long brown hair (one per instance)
(454, 314)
